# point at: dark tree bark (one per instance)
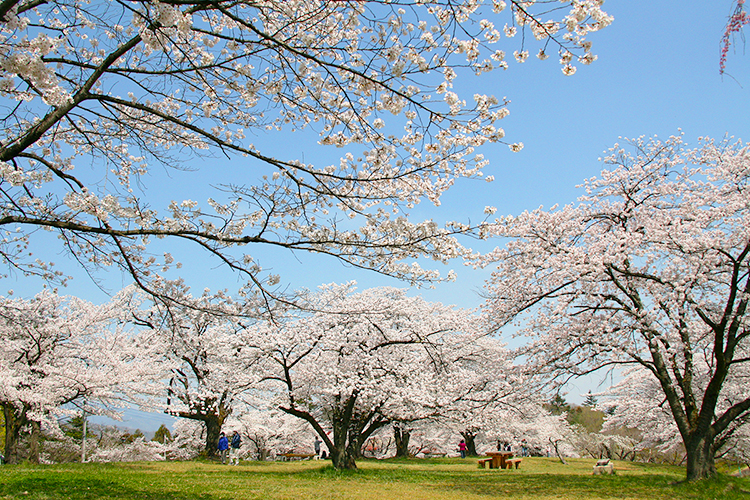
(213, 430)
(471, 448)
(15, 419)
(34, 442)
(557, 450)
(362, 427)
(350, 430)
(401, 435)
(213, 417)
(700, 459)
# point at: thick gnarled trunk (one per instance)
(350, 430)
(15, 419)
(213, 430)
(213, 412)
(343, 454)
(401, 436)
(213, 422)
(342, 458)
(700, 458)
(471, 447)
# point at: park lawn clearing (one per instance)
(433, 479)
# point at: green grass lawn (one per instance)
(434, 479)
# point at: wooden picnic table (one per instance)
(500, 460)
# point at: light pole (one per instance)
(83, 439)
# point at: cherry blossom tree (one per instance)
(139, 450)
(651, 269)
(267, 432)
(482, 392)
(57, 350)
(476, 389)
(363, 360)
(205, 364)
(736, 22)
(637, 402)
(189, 439)
(121, 86)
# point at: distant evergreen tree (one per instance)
(162, 435)
(590, 400)
(558, 405)
(74, 428)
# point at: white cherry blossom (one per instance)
(119, 87)
(651, 269)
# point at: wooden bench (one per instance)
(604, 466)
(300, 456)
(482, 462)
(509, 463)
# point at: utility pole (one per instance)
(83, 439)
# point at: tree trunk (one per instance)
(341, 449)
(700, 458)
(355, 444)
(36, 432)
(213, 430)
(14, 421)
(342, 455)
(361, 428)
(343, 459)
(213, 423)
(471, 448)
(401, 436)
(557, 451)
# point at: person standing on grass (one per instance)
(234, 451)
(223, 447)
(462, 448)
(316, 446)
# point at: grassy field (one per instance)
(435, 479)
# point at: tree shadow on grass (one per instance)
(89, 488)
(520, 484)
(651, 487)
(196, 481)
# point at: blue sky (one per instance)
(657, 72)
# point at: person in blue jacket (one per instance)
(234, 450)
(223, 447)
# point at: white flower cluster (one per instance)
(642, 272)
(117, 87)
(26, 63)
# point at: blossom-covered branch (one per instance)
(125, 85)
(651, 269)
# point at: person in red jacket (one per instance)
(462, 448)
